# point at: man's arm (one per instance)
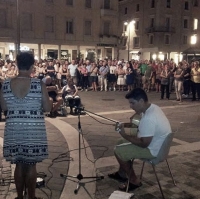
(141, 142)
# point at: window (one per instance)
(106, 4)
(186, 5)
(88, 26)
(49, 25)
(195, 24)
(125, 27)
(168, 4)
(125, 11)
(26, 21)
(168, 22)
(151, 39)
(2, 18)
(185, 23)
(88, 3)
(137, 25)
(185, 39)
(136, 42)
(69, 27)
(69, 2)
(152, 22)
(152, 3)
(167, 39)
(195, 3)
(106, 28)
(137, 7)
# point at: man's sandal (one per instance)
(131, 187)
(116, 176)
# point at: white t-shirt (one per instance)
(72, 69)
(154, 123)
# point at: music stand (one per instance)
(80, 176)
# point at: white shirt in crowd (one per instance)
(72, 69)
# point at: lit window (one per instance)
(195, 24)
(193, 39)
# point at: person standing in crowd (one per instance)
(51, 70)
(172, 67)
(165, 74)
(79, 76)
(158, 77)
(64, 73)
(41, 71)
(153, 128)
(103, 71)
(112, 79)
(25, 140)
(195, 83)
(93, 74)
(120, 78)
(72, 70)
(187, 80)
(85, 82)
(178, 81)
(11, 72)
(88, 66)
(129, 76)
(148, 77)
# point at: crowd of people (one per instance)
(117, 75)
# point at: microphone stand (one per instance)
(80, 175)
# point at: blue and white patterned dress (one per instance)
(25, 137)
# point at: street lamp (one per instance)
(193, 41)
(128, 25)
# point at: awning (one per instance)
(191, 50)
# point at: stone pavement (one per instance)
(52, 167)
(100, 139)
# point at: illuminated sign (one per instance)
(22, 48)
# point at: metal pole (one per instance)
(129, 33)
(18, 29)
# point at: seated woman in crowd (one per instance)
(70, 94)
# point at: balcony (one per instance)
(108, 12)
(160, 29)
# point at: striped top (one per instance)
(25, 137)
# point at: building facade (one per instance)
(164, 29)
(59, 29)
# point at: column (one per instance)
(59, 51)
(39, 52)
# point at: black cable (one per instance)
(98, 120)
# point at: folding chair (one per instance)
(162, 156)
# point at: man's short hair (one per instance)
(25, 60)
(137, 94)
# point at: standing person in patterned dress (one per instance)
(25, 140)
